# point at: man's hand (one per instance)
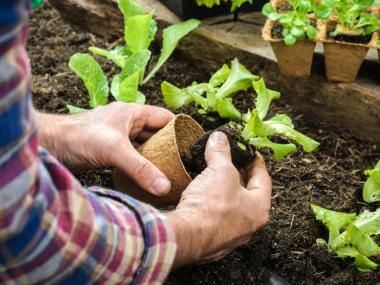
(220, 209)
(107, 136)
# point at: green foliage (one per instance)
(350, 235)
(86, 67)
(132, 59)
(216, 97)
(371, 191)
(235, 4)
(296, 23)
(352, 15)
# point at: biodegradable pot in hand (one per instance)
(293, 61)
(344, 54)
(165, 149)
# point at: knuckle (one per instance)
(142, 171)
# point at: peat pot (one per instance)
(293, 61)
(165, 149)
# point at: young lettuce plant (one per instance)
(257, 131)
(371, 190)
(139, 31)
(294, 24)
(235, 4)
(352, 15)
(350, 235)
(214, 96)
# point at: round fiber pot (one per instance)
(293, 61)
(165, 149)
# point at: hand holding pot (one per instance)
(107, 136)
(220, 209)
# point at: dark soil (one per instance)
(355, 39)
(331, 177)
(284, 7)
(241, 154)
(276, 31)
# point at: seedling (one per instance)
(235, 4)
(214, 96)
(371, 191)
(139, 31)
(252, 130)
(352, 16)
(295, 24)
(350, 235)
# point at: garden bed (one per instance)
(331, 177)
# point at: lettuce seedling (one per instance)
(214, 96)
(350, 235)
(132, 59)
(256, 130)
(235, 4)
(296, 23)
(371, 191)
(352, 15)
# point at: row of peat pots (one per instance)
(343, 54)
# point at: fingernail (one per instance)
(219, 138)
(161, 186)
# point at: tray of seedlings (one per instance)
(347, 30)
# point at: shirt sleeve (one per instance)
(52, 231)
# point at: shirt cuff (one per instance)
(159, 238)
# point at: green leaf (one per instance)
(219, 77)
(117, 55)
(279, 150)
(134, 63)
(289, 40)
(128, 91)
(237, 4)
(323, 11)
(240, 79)
(227, 110)
(138, 32)
(267, 9)
(369, 222)
(86, 67)
(171, 36)
(334, 221)
(264, 97)
(311, 32)
(297, 32)
(304, 6)
(362, 242)
(174, 97)
(362, 262)
(196, 92)
(75, 110)
(371, 190)
(115, 86)
(208, 3)
(130, 8)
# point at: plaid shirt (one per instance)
(51, 229)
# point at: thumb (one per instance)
(217, 150)
(142, 171)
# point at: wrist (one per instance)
(193, 236)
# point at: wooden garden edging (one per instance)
(354, 106)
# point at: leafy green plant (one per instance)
(132, 59)
(350, 235)
(352, 15)
(296, 24)
(371, 190)
(215, 96)
(235, 4)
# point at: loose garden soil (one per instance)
(331, 177)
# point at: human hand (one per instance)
(106, 137)
(220, 209)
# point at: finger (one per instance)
(258, 176)
(155, 117)
(142, 171)
(217, 150)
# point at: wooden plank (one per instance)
(354, 106)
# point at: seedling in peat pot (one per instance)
(139, 31)
(292, 25)
(253, 131)
(371, 191)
